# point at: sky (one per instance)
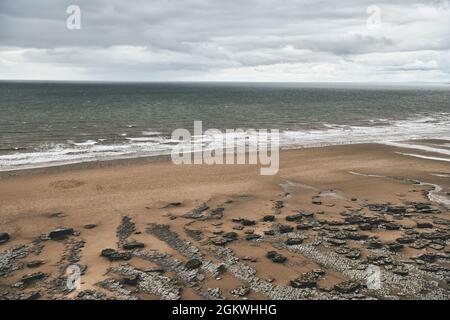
(226, 40)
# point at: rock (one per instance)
(307, 214)
(217, 213)
(193, 264)
(240, 291)
(391, 226)
(194, 233)
(424, 225)
(4, 237)
(353, 254)
(295, 217)
(347, 287)
(365, 226)
(35, 264)
(29, 278)
(285, 229)
(172, 205)
(251, 237)
(305, 226)
(91, 295)
(60, 233)
(436, 246)
(395, 247)
(401, 271)
(374, 244)
(276, 257)
(114, 255)
(131, 280)
(90, 226)
(238, 227)
(306, 280)
(269, 232)
(336, 242)
(294, 241)
(405, 240)
(220, 241)
(317, 201)
(231, 235)
(249, 231)
(269, 218)
(427, 257)
(247, 223)
(196, 213)
(133, 245)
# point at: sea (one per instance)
(54, 123)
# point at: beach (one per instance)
(225, 231)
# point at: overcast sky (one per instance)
(227, 40)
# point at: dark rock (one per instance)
(276, 257)
(396, 210)
(173, 205)
(35, 264)
(220, 241)
(424, 225)
(285, 229)
(193, 264)
(133, 245)
(60, 233)
(231, 235)
(90, 226)
(294, 217)
(196, 213)
(365, 226)
(336, 242)
(395, 247)
(401, 271)
(307, 214)
(269, 232)
(306, 280)
(251, 237)
(374, 244)
(391, 226)
(347, 287)
(29, 278)
(194, 233)
(353, 254)
(405, 240)
(217, 213)
(247, 223)
(91, 295)
(435, 236)
(131, 280)
(305, 226)
(294, 241)
(428, 257)
(269, 218)
(4, 237)
(114, 255)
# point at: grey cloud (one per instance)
(204, 39)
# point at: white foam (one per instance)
(418, 147)
(153, 143)
(421, 156)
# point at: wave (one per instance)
(152, 143)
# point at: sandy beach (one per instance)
(213, 232)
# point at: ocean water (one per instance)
(44, 124)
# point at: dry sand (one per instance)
(346, 178)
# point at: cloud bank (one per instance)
(216, 40)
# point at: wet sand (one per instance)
(146, 201)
